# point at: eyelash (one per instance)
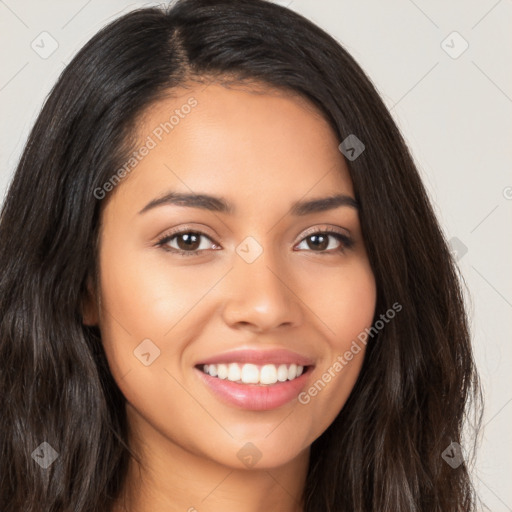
(346, 241)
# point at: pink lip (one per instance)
(271, 356)
(255, 397)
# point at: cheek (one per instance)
(356, 304)
(147, 294)
(346, 308)
(344, 301)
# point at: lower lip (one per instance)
(254, 397)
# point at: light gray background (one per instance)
(454, 113)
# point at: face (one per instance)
(261, 274)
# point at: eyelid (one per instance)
(328, 229)
(186, 228)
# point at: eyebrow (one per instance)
(219, 204)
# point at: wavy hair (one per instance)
(418, 383)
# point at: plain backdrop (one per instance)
(444, 71)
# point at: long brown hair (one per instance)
(384, 451)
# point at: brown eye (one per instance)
(187, 243)
(320, 242)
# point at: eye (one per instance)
(327, 241)
(190, 243)
(186, 243)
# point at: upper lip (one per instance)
(258, 356)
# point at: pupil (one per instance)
(321, 245)
(190, 241)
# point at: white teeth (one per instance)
(282, 373)
(252, 374)
(268, 374)
(222, 370)
(234, 372)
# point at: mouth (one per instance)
(254, 387)
(249, 373)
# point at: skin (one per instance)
(261, 150)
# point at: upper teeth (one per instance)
(252, 374)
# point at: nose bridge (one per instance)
(260, 292)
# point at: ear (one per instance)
(89, 305)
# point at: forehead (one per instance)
(257, 141)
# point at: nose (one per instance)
(261, 296)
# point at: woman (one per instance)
(223, 285)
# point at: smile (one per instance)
(255, 396)
(267, 374)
